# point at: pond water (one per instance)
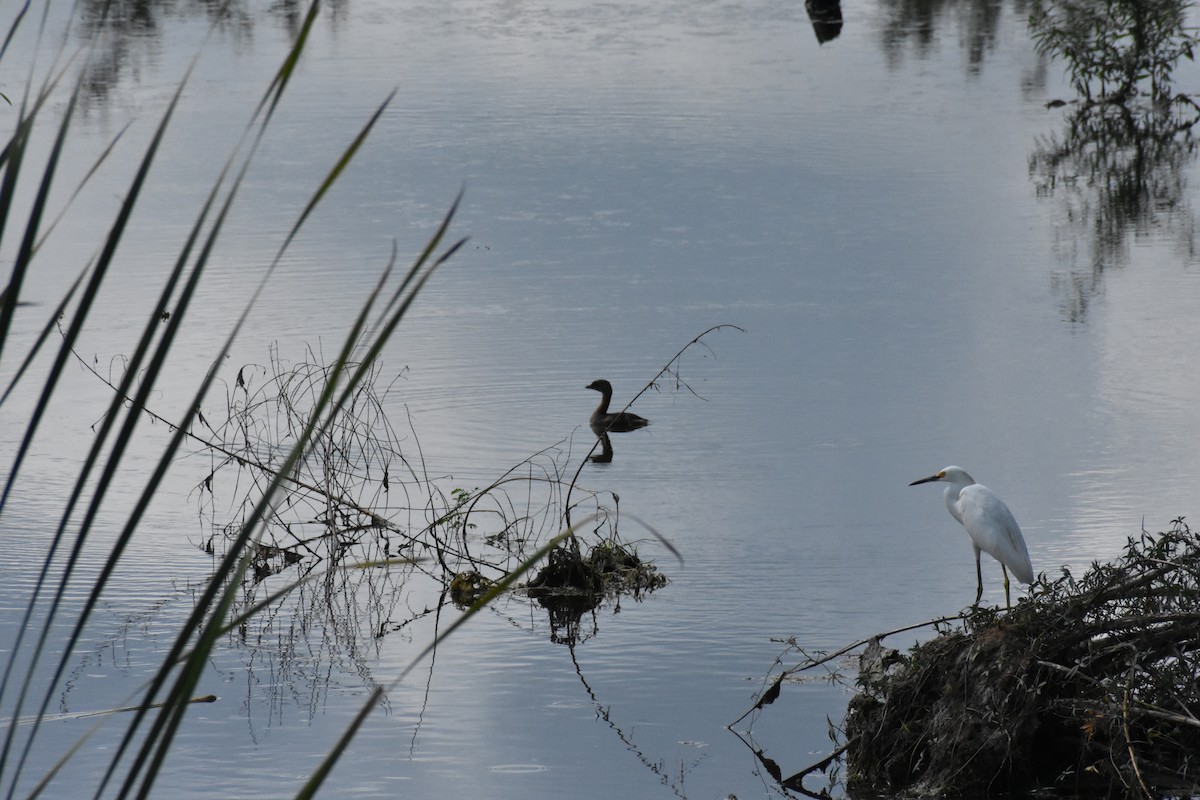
(916, 288)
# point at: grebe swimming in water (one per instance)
(619, 422)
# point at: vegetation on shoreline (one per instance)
(1088, 686)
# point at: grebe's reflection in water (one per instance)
(606, 452)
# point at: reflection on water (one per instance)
(1119, 169)
(673, 777)
(1115, 175)
(637, 173)
(826, 18)
(917, 23)
(127, 38)
(605, 455)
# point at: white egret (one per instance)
(988, 522)
(619, 422)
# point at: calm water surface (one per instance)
(868, 210)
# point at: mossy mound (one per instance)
(1089, 687)
(467, 587)
(607, 569)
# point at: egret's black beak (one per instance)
(937, 477)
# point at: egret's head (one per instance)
(955, 475)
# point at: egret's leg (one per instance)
(978, 578)
(1007, 603)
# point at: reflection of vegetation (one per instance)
(125, 33)
(1118, 168)
(1114, 46)
(1114, 172)
(672, 777)
(915, 23)
(573, 583)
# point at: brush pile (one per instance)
(1089, 687)
(608, 569)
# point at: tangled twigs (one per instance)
(1088, 686)
(244, 453)
(1077, 680)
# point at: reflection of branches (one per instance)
(1114, 172)
(128, 33)
(795, 783)
(437, 621)
(874, 659)
(915, 22)
(657, 767)
(1118, 169)
(565, 615)
(125, 34)
(330, 626)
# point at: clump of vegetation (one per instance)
(1090, 686)
(467, 587)
(956, 714)
(576, 580)
(1087, 687)
(608, 568)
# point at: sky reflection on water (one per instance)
(866, 209)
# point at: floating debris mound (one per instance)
(1092, 686)
(575, 581)
(609, 568)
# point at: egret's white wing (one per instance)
(994, 529)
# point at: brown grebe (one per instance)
(619, 422)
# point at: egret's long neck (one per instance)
(951, 495)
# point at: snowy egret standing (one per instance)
(989, 523)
